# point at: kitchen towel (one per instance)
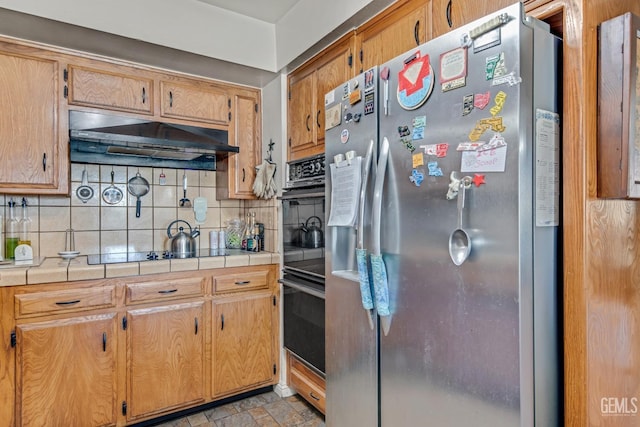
(380, 285)
(365, 285)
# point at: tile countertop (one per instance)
(58, 270)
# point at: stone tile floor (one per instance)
(266, 410)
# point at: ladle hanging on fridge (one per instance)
(460, 241)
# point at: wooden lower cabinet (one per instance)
(115, 352)
(66, 372)
(242, 347)
(165, 358)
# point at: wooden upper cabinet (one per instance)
(307, 88)
(33, 153)
(451, 14)
(109, 90)
(301, 135)
(66, 372)
(197, 101)
(237, 172)
(393, 32)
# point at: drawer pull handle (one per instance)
(104, 341)
(243, 282)
(63, 303)
(167, 291)
(196, 321)
(222, 322)
(313, 396)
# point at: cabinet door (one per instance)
(245, 133)
(307, 88)
(109, 90)
(30, 156)
(66, 372)
(392, 34)
(328, 77)
(199, 102)
(243, 354)
(165, 355)
(450, 14)
(300, 109)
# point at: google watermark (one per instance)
(619, 406)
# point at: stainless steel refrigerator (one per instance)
(442, 255)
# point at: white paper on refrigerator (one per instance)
(346, 179)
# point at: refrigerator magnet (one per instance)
(344, 136)
(415, 81)
(500, 99)
(417, 160)
(478, 179)
(434, 170)
(453, 69)
(333, 116)
(481, 100)
(416, 177)
(467, 104)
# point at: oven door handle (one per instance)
(302, 288)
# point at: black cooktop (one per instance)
(117, 257)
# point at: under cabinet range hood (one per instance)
(119, 140)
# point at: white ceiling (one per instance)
(264, 10)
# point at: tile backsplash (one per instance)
(101, 227)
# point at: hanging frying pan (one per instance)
(112, 194)
(138, 187)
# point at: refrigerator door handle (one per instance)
(378, 269)
(361, 253)
(381, 172)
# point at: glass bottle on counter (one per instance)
(251, 241)
(246, 233)
(25, 225)
(11, 232)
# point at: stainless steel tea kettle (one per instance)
(314, 237)
(183, 245)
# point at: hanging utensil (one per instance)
(459, 241)
(84, 192)
(112, 194)
(138, 187)
(184, 202)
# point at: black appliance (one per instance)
(303, 268)
(119, 140)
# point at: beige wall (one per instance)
(100, 227)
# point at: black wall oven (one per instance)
(303, 266)
(303, 306)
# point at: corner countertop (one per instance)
(56, 269)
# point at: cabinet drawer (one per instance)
(242, 281)
(160, 290)
(63, 301)
(307, 383)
